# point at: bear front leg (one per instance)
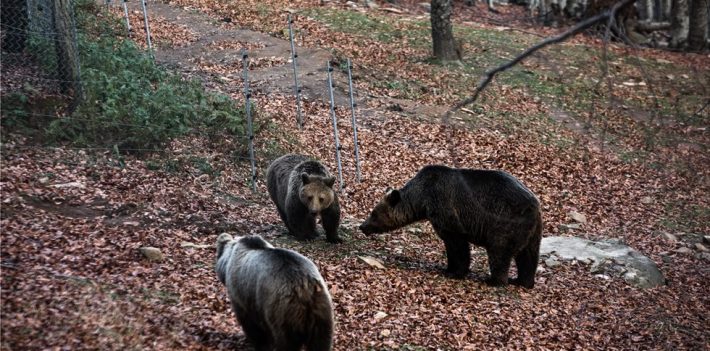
(331, 221)
(499, 263)
(458, 255)
(304, 228)
(301, 224)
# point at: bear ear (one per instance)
(304, 178)
(393, 197)
(329, 181)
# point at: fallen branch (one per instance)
(648, 26)
(611, 12)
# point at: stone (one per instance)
(373, 262)
(379, 315)
(570, 227)
(151, 253)
(551, 262)
(684, 250)
(371, 4)
(578, 217)
(646, 200)
(700, 247)
(608, 256)
(670, 237)
(705, 256)
(426, 6)
(706, 239)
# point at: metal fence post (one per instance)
(335, 127)
(147, 27)
(354, 121)
(125, 12)
(250, 129)
(296, 88)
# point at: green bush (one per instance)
(131, 103)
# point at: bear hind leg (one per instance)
(499, 264)
(526, 261)
(255, 334)
(331, 221)
(458, 255)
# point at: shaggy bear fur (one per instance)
(302, 189)
(487, 208)
(278, 295)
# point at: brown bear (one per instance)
(302, 189)
(278, 295)
(488, 208)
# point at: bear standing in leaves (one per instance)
(280, 299)
(302, 189)
(487, 208)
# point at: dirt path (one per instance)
(219, 49)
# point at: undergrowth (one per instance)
(129, 102)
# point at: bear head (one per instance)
(383, 217)
(222, 241)
(316, 193)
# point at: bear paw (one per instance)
(334, 240)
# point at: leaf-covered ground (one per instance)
(73, 220)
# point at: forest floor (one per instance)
(633, 158)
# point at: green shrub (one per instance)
(130, 103)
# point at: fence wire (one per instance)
(39, 47)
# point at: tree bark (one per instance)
(679, 24)
(442, 34)
(67, 50)
(698, 26)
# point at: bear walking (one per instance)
(302, 189)
(278, 295)
(487, 208)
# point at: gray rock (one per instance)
(705, 256)
(578, 217)
(670, 237)
(371, 4)
(700, 247)
(426, 6)
(570, 227)
(684, 250)
(552, 262)
(646, 200)
(151, 253)
(608, 256)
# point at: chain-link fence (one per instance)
(39, 47)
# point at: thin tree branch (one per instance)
(611, 12)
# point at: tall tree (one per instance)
(698, 28)
(445, 48)
(67, 51)
(679, 23)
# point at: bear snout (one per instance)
(366, 229)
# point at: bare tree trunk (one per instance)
(67, 51)
(666, 11)
(442, 32)
(698, 27)
(679, 24)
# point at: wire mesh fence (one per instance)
(39, 47)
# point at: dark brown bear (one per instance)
(302, 189)
(487, 208)
(278, 295)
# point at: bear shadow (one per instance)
(222, 341)
(433, 269)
